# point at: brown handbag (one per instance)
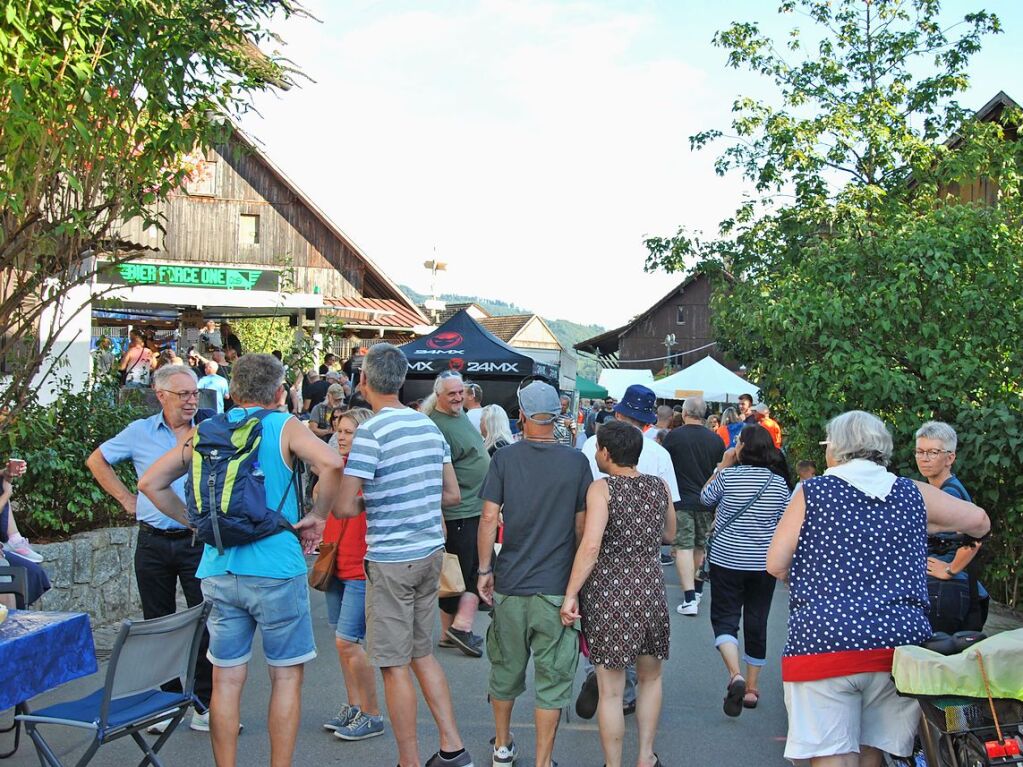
(324, 566)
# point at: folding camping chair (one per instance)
(145, 655)
(14, 580)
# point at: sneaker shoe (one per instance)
(20, 547)
(159, 728)
(467, 642)
(699, 597)
(688, 608)
(445, 642)
(360, 727)
(667, 559)
(462, 760)
(201, 722)
(504, 755)
(629, 708)
(345, 714)
(589, 695)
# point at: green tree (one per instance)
(103, 104)
(863, 279)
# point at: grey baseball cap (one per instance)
(540, 399)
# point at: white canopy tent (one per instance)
(617, 380)
(707, 378)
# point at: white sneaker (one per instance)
(159, 728)
(505, 755)
(699, 597)
(20, 547)
(688, 608)
(201, 722)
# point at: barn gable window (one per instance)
(249, 229)
(680, 315)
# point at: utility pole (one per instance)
(669, 341)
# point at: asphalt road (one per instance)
(693, 729)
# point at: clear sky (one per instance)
(532, 144)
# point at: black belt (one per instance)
(178, 532)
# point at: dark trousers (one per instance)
(160, 563)
(461, 541)
(742, 595)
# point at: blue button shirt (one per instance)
(143, 442)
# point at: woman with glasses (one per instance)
(360, 717)
(852, 547)
(959, 602)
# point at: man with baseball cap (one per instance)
(540, 488)
(637, 407)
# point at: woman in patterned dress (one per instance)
(618, 572)
(852, 546)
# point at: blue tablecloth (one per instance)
(40, 650)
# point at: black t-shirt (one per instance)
(603, 415)
(315, 392)
(542, 486)
(695, 451)
(231, 341)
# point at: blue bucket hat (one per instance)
(639, 403)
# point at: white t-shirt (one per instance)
(474, 416)
(654, 460)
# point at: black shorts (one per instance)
(461, 541)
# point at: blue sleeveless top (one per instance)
(280, 555)
(858, 581)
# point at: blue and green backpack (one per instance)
(226, 494)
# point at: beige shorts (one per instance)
(401, 609)
(840, 714)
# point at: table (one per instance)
(39, 651)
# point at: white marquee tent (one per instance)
(707, 378)
(617, 380)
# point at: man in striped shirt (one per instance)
(400, 471)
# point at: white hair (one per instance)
(495, 420)
(858, 434)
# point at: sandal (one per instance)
(734, 695)
(751, 698)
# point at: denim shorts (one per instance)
(346, 608)
(278, 607)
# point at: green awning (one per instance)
(588, 389)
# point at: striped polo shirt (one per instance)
(399, 454)
(743, 544)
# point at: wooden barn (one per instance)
(684, 314)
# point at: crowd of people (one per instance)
(557, 522)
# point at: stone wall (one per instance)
(93, 573)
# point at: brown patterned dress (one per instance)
(624, 609)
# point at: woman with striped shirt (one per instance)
(750, 488)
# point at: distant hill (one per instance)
(568, 332)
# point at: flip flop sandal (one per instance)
(734, 696)
(751, 698)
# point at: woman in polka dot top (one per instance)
(852, 545)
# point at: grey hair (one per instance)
(940, 431)
(212, 365)
(438, 384)
(385, 367)
(256, 379)
(694, 407)
(475, 391)
(858, 434)
(498, 427)
(162, 376)
(664, 412)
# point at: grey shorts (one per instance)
(401, 609)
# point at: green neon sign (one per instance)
(189, 276)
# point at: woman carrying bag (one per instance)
(750, 489)
(345, 593)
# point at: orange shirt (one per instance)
(773, 429)
(351, 548)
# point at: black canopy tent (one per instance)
(463, 345)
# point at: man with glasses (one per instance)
(165, 552)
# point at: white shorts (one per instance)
(840, 714)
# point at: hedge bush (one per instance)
(57, 496)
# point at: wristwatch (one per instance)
(488, 571)
(949, 573)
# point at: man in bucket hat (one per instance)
(637, 407)
(540, 488)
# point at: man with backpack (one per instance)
(165, 552)
(243, 503)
